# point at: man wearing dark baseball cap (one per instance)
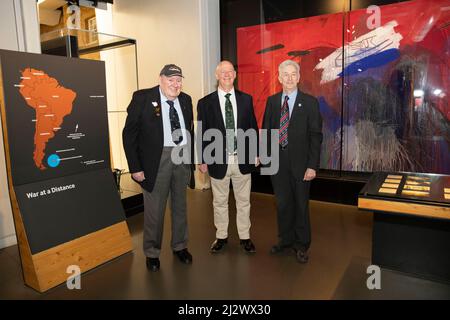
(171, 70)
(160, 119)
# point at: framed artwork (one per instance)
(381, 78)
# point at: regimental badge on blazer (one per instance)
(156, 108)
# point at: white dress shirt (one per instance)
(222, 100)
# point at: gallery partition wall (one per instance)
(380, 70)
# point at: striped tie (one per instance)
(284, 123)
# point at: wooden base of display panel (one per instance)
(48, 269)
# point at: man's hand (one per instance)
(257, 163)
(309, 174)
(138, 176)
(203, 168)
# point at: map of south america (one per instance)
(51, 102)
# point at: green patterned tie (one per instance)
(229, 125)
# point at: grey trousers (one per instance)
(171, 180)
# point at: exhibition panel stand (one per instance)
(411, 226)
(66, 206)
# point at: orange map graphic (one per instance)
(51, 103)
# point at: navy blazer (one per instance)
(304, 131)
(143, 138)
(210, 115)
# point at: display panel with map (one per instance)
(66, 207)
(56, 111)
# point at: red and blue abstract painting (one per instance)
(381, 76)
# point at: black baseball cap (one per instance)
(171, 70)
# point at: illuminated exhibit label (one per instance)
(51, 102)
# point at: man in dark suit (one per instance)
(297, 116)
(228, 111)
(160, 120)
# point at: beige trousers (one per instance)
(221, 189)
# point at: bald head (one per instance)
(225, 74)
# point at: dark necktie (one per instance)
(229, 125)
(284, 123)
(174, 122)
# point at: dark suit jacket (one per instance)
(304, 131)
(210, 115)
(143, 138)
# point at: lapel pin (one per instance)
(157, 109)
(299, 104)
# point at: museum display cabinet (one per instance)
(120, 57)
(411, 225)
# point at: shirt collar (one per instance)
(291, 95)
(223, 93)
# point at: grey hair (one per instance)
(222, 63)
(286, 63)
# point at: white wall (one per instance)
(19, 30)
(186, 33)
(167, 31)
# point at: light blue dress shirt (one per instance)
(292, 96)
(167, 129)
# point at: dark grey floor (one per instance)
(339, 255)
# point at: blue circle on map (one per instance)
(53, 160)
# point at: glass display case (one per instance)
(419, 188)
(120, 57)
(381, 80)
(411, 222)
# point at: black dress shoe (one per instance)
(278, 248)
(184, 256)
(218, 245)
(302, 256)
(152, 264)
(248, 246)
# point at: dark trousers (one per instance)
(171, 179)
(292, 197)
